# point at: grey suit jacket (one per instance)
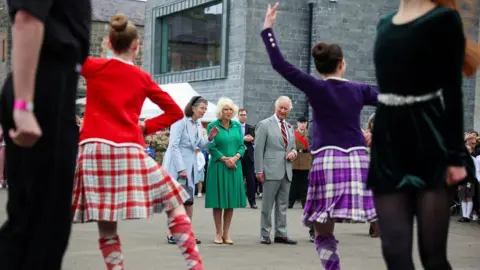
(270, 152)
(180, 154)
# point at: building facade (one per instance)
(215, 45)
(102, 10)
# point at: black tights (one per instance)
(395, 217)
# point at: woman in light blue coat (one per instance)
(180, 159)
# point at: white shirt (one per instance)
(477, 167)
(280, 125)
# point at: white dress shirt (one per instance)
(477, 167)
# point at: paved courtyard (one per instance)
(145, 246)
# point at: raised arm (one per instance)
(172, 112)
(301, 80)
(260, 142)
(203, 142)
(453, 41)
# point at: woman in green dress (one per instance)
(225, 190)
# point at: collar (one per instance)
(122, 60)
(191, 119)
(278, 120)
(336, 78)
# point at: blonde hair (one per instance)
(122, 33)
(225, 103)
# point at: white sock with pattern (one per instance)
(112, 252)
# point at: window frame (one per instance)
(200, 74)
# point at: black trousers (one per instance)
(249, 174)
(35, 235)
(299, 187)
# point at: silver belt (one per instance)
(397, 100)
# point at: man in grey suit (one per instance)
(274, 152)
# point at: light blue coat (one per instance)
(181, 151)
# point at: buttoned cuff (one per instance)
(268, 38)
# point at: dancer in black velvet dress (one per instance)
(418, 153)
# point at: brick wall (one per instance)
(4, 42)
(262, 84)
(98, 45)
(352, 24)
(253, 84)
(99, 48)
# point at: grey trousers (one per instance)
(275, 193)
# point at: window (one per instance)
(192, 39)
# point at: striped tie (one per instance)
(284, 133)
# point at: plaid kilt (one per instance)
(113, 183)
(337, 188)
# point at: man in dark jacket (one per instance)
(51, 40)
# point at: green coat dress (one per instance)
(225, 188)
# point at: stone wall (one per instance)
(262, 84)
(253, 84)
(98, 47)
(4, 42)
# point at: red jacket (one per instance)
(116, 91)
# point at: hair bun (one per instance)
(321, 51)
(119, 22)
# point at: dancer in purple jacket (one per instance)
(337, 189)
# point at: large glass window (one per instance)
(192, 39)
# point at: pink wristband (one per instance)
(23, 105)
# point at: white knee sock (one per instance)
(469, 209)
(464, 208)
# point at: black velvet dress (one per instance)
(412, 145)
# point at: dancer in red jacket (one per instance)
(115, 179)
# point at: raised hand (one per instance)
(213, 132)
(270, 16)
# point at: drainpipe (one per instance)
(309, 47)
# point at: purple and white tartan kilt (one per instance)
(337, 187)
(114, 183)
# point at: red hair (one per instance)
(472, 50)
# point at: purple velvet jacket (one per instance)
(336, 103)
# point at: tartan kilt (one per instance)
(121, 183)
(337, 187)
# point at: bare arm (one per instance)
(27, 34)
